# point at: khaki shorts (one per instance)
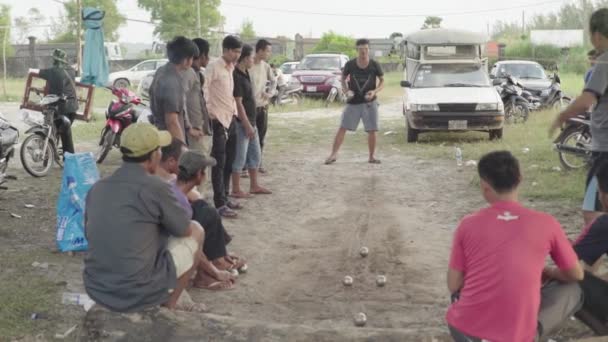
(182, 250)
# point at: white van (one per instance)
(446, 85)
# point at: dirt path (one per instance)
(304, 239)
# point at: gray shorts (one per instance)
(366, 112)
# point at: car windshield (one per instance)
(288, 69)
(320, 63)
(526, 71)
(450, 75)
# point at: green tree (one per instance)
(5, 29)
(25, 23)
(247, 32)
(432, 22)
(177, 18)
(68, 25)
(332, 42)
(395, 35)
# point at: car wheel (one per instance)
(121, 83)
(496, 134)
(412, 134)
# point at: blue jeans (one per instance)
(248, 151)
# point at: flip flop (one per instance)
(234, 205)
(227, 212)
(375, 161)
(330, 161)
(261, 192)
(216, 286)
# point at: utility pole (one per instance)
(523, 23)
(79, 35)
(198, 17)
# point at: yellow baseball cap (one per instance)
(139, 139)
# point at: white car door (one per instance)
(141, 70)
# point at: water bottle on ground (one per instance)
(75, 298)
(458, 156)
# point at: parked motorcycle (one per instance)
(287, 94)
(42, 147)
(121, 113)
(517, 108)
(573, 144)
(336, 93)
(552, 97)
(9, 136)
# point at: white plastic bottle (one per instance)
(458, 156)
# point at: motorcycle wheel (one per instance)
(105, 145)
(331, 97)
(35, 161)
(562, 103)
(573, 136)
(295, 98)
(518, 113)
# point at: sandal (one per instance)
(226, 212)
(234, 205)
(241, 195)
(375, 161)
(261, 191)
(330, 161)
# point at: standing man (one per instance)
(498, 260)
(595, 95)
(167, 93)
(591, 57)
(60, 81)
(218, 89)
(362, 80)
(196, 107)
(264, 82)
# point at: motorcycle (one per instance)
(287, 94)
(517, 108)
(42, 147)
(121, 113)
(335, 93)
(573, 144)
(9, 136)
(552, 97)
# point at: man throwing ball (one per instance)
(362, 80)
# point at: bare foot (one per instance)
(260, 191)
(185, 303)
(330, 160)
(240, 194)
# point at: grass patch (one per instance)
(24, 292)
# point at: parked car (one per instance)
(446, 85)
(134, 75)
(288, 68)
(317, 73)
(530, 74)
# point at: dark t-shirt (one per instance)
(60, 82)
(167, 95)
(361, 80)
(593, 243)
(242, 88)
(129, 218)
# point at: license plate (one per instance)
(457, 124)
(311, 89)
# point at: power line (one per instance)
(366, 15)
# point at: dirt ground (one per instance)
(300, 242)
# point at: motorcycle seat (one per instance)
(8, 136)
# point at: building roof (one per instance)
(445, 36)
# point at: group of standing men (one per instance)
(225, 101)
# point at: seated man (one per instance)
(143, 249)
(498, 260)
(216, 237)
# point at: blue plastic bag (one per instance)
(79, 174)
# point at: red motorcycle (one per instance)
(121, 113)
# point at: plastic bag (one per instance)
(79, 174)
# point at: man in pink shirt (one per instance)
(497, 265)
(218, 89)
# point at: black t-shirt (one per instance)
(60, 82)
(594, 242)
(361, 80)
(242, 88)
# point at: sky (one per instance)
(284, 17)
